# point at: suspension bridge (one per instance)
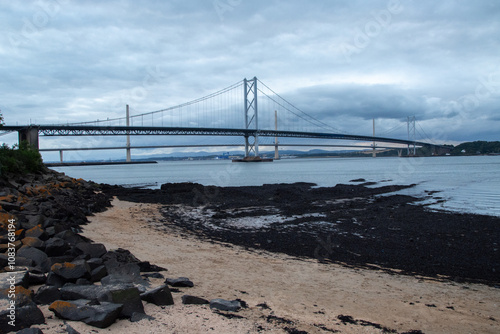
(248, 109)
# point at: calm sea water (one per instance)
(467, 184)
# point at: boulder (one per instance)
(71, 271)
(130, 298)
(54, 280)
(92, 249)
(33, 242)
(25, 317)
(181, 282)
(70, 237)
(24, 262)
(124, 273)
(56, 246)
(37, 279)
(36, 232)
(91, 292)
(101, 315)
(225, 305)
(98, 273)
(22, 296)
(159, 296)
(38, 257)
(95, 262)
(147, 267)
(47, 295)
(14, 278)
(187, 300)
(120, 255)
(31, 221)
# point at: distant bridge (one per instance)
(292, 123)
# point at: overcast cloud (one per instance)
(345, 62)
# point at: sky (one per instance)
(343, 62)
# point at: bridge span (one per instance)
(247, 109)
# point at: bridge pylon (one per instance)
(251, 116)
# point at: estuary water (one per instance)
(464, 184)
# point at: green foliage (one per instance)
(20, 159)
(477, 147)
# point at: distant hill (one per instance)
(477, 147)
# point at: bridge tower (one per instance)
(129, 155)
(251, 116)
(411, 135)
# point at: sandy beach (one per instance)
(284, 294)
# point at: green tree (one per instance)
(20, 159)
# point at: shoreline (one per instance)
(312, 296)
(71, 237)
(356, 225)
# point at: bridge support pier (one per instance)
(61, 156)
(29, 135)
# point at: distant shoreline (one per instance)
(97, 163)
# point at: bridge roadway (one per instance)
(87, 130)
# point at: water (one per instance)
(464, 184)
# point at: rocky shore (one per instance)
(358, 224)
(52, 271)
(46, 261)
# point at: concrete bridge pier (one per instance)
(30, 135)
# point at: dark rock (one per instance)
(120, 255)
(225, 305)
(30, 331)
(37, 279)
(20, 278)
(180, 282)
(33, 242)
(22, 296)
(147, 267)
(10, 206)
(159, 296)
(31, 221)
(187, 299)
(83, 281)
(25, 317)
(70, 237)
(36, 232)
(136, 317)
(55, 280)
(90, 292)
(71, 270)
(24, 262)
(95, 262)
(123, 273)
(59, 259)
(100, 315)
(47, 295)
(98, 273)
(92, 249)
(56, 246)
(39, 258)
(130, 298)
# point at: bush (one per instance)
(20, 159)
